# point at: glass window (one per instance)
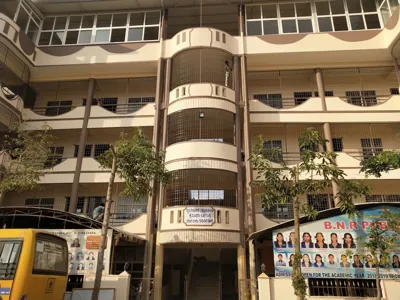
(102, 36)
(253, 12)
(271, 27)
(354, 6)
(287, 10)
(269, 11)
(303, 9)
(340, 23)
(151, 33)
(85, 37)
(118, 35)
(357, 22)
(45, 38)
(103, 20)
(60, 23)
(337, 7)
(48, 23)
(254, 28)
(33, 31)
(87, 21)
(325, 24)
(152, 18)
(135, 34)
(50, 255)
(57, 38)
(136, 19)
(119, 20)
(74, 22)
(72, 37)
(369, 5)
(23, 18)
(322, 8)
(305, 26)
(289, 26)
(372, 21)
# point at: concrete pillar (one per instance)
(81, 149)
(242, 277)
(327, 127)
(252, 266)
(158, 270)
(152, 200)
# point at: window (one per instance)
(371, 147)
(387, 8)
(93, 202)
(100, 28)
(327, 94)
(55, 157)
(9, 256)
(359, 288)
(109, 103)
(27, 20)
(206, 194)
(394, 91)
(320, 201)
(87, 153)
(51, 255)
(279, 211)
(273, 100)
(363, 98)
(337, 144)
(40, 202)
(80, 204)
(55, 108)
(301, 97)
(382, 198)
(100, 149)
(273, 150)
(134, 104)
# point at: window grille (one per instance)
(55, 156)
(40, 202)
(100, 149)
(363, 98)
(301, 97)
(202, 187)
(342, 287)
(201, 124)
(320, 201)
(371, 147)
(55, 108)
(109, 103)
(87, 153)
(134, 104)
(93, 202)
(273, 100)
(279, 211)
(394, 91)
(327, 94)
(80, 204)
(382, 198)
(100, 28)
(273, 150)
(337, 144)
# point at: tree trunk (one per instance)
(104, 229)
(378, 288)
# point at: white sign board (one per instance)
(83, 248)
(199, 216)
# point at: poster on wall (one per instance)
(83, 248)
(326, 244)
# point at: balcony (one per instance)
(11, 106)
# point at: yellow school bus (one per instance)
(33, 265)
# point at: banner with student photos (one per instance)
(83, 248)
(325, 244)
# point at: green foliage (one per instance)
(30, 155)
(138, 164)
(280, 184)
(383, 162)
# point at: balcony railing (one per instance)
(367, 152)
(117, 219)
(365, 100)
(52, 111)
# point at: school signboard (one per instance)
(83, 248)
(333, 248)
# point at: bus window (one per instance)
(9, 255)
(51, 256)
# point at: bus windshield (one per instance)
(9, 255)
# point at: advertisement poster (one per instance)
(325, 243)
(83, 247)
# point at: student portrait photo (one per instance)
(307, 243)
(291, 260)
(71, 267)
(280, 262)
(79, 256)
(290, 243)
(334, 241)
(90, 256)
(348, 241)
(306, 262)
(357, 262)
(369, 261)
(81, 267)
(320, 241)
(91, 266)
(331, 261)
(75, 243)
(395, 262)
(279, 242)
(318, 261)
(344, 263)
(71, 256)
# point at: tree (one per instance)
(380, 238)
(136, 161)
(281, 184)
(30, 157)
(383, 162)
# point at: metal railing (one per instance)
(365, 100)
(52, 111)
(117, 219)
(368, 152)
(342, 287)
(124, 108)
(283, 103)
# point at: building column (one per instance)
(396, 62)
(81, 149)
(152, 200)
(158, 269)
(327, 128)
